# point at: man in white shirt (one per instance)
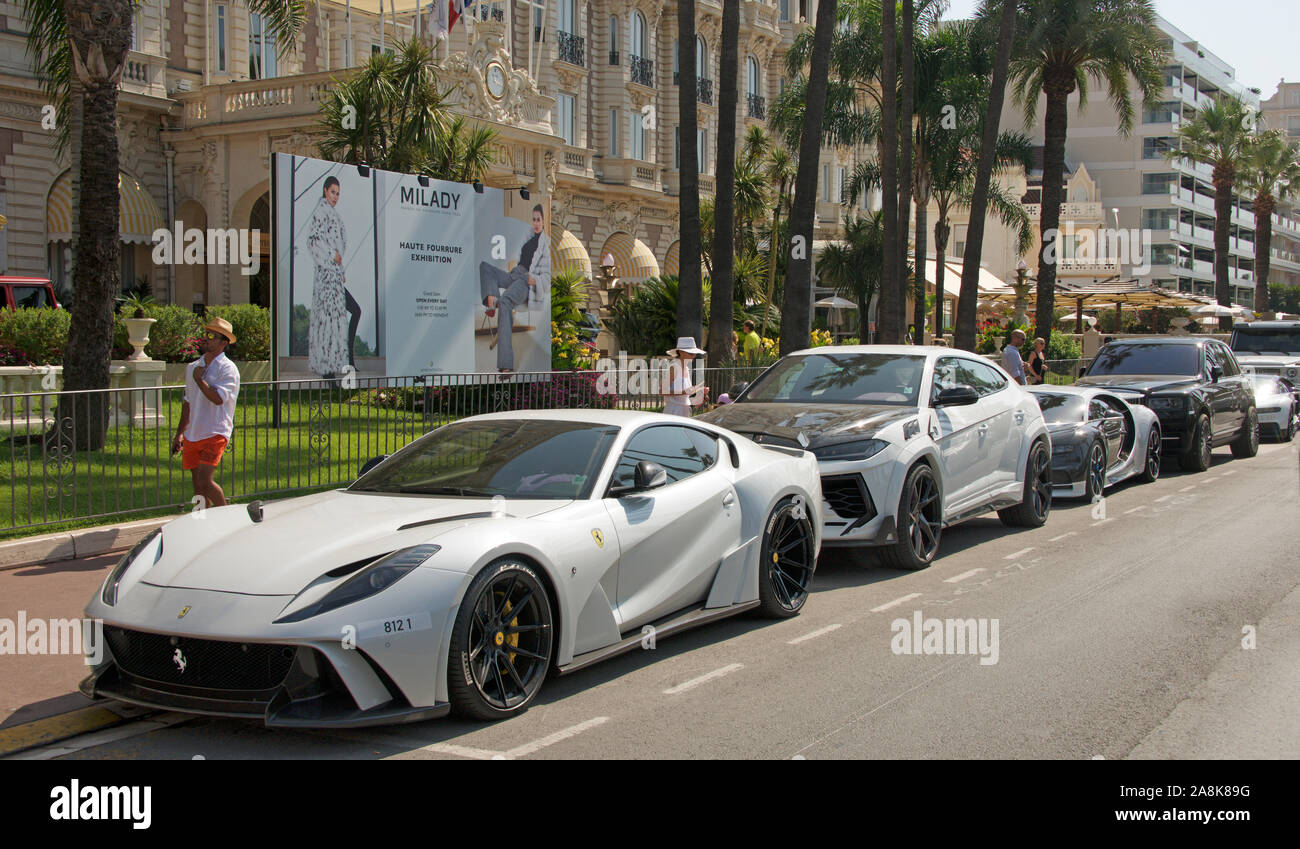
(1011, 360)
(208, 412)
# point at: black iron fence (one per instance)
(704, 90)
(643, 70)
(757, 106)
(75, 456)
(573, 48)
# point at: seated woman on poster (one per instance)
(503, 291)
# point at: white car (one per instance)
(1276, 406)
(456, 573)
(1268, 348)
(910, 440)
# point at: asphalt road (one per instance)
(1123, 636)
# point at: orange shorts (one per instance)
(205, 452)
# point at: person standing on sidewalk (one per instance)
(208, 412)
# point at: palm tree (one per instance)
(907, 98)
(796, 305)
(852, 265)
(781, 171)
(964, 332)
(1272, 176)
(1219, 136)
(690, 302)
(80, 48)
(724, 210)
(1064, 46)
(890, 311)
(390, 114)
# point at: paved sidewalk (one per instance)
(72, 545)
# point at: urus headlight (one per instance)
(109, 592)
(378, 576)
(1172, 403)
(858, 450)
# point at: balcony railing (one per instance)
(757, 106)
(704, 90)
(643, 71)
(572, 48)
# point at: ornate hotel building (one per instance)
(207, 96)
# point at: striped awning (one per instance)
(633, 260)
(673, 261)
(569, 254)
(138, 215)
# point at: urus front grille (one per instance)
(192, 662)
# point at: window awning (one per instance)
(138, 215)
(633, 260)
(570, 255)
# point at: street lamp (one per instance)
(607, 277)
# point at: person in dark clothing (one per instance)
(1036, 365)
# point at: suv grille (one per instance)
(848, 496)
(209, 664)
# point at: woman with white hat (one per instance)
(679, 394)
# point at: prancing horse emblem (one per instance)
(598, 537)
(184, 610)
(179, 659)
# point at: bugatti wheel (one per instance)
(787, 561)
(501, 643)
(1151, 472)
(1095, 472)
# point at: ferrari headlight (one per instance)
(1172, 403)
(109, 592)
(858, 450)
(378, 576)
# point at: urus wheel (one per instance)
(1036, 499)
(919, 522)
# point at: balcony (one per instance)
(145, 74)
(1069, 211)
(704, 90)
(631, 172)
(573, 48)
(643, 71)
(756, 106)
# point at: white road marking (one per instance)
(1135, 509)
(703, 679)
(963, 576)
(1021, 553)
(896, 602)
(1225, 474)
(1062, 536)
(462, 751)
(1188, 488)
(99, 738)
(557, 737)
(812, 635)
(1163, 498)
(1102, 522)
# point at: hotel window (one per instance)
(261, 49)
(221, 39)
(567, 17)
(701, 58)
(959, 240)
(1156, 147)
(613, 40)
(1161, 113)
(137, 31)
(677, 148)
(637, 135)
(613, 132)
(843, 185)
(1157, 184)
(1164, 255)
(677, 50)
(826, 183)
(566, 109)
(702, 147)
(1159, 219)
(785, 10)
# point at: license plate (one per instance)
(395, 626)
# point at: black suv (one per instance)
(1194, 385)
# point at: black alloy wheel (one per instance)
(1200, 455)
(1247, 443)
(502, 642)
(1095, 480)
(1151, 472)
(1036, 501)
(788, 560)
(920, 522)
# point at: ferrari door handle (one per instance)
(728, 499)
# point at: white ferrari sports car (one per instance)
(456, 573)
(910, 440)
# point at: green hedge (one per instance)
(40, 335)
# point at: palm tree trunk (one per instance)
(941, 231)
(964, 332)
(890, 307)
(1264, 205)
(918, 305)
(95, 27)
(724, 204)
(690, 286)
(1223, 179)
(905, 174)
(772, 247)
(796, 305)
(1055, 126)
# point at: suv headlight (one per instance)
(857, 450)
(109, 593)
(1172, 403)
(378, 576)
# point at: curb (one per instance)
(74, 545)
(61, 726)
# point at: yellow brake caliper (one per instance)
(513, 639)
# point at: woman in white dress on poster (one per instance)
(327, 338)
(679, 393)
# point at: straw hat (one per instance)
(685, 345)
(220, 325)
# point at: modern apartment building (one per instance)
(1174, 201)
(207, 97)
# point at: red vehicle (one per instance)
(27, 292)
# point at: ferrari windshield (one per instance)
(1059, 408)
(1271, 341)
(841, 379)
(528, 458)
(1146, 358)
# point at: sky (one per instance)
(1257, 37)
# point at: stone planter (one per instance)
(137, 333)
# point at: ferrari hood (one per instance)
(299, 539)
(1143, 383)
(818, 423)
